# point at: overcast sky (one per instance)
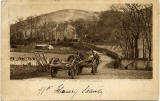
(24, 10)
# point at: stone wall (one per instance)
(136, 64)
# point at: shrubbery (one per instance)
(21, 70)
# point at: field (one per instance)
(31, 49)
(24, 65)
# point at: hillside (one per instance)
(70, 14)
(61, 16)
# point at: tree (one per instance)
(135, 22)
(80, 28)
(18, 31)
(107, 24)
(86, 30)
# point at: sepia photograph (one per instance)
(112, 43)
(79, 50)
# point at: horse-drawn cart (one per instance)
(55, 64)
(74, 64)
(89, 62)
(69, 66)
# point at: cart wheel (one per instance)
(53, 72)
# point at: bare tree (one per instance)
(18, 31)
(136, 24)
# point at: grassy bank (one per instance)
(23, 71)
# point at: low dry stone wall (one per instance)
(136, 64)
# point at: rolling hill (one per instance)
(59, 16)
(70, 14)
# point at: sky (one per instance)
(32, 9)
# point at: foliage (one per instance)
(136, 25)
(21, 70)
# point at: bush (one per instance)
(117, 63)
(17, 70)
(149, 66)
(62, 43)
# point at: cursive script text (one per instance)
(62, 89)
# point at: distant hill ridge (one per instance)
(70, 14)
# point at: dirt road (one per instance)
(104, 72)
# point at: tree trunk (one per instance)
(143, 49)
(31, 29)
(132, 48)
(150, 53)
(136, 48)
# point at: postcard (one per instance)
(80, 50)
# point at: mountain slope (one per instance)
(70, 14)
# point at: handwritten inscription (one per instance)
(62, 89)
(88, 89)
(44, 89)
